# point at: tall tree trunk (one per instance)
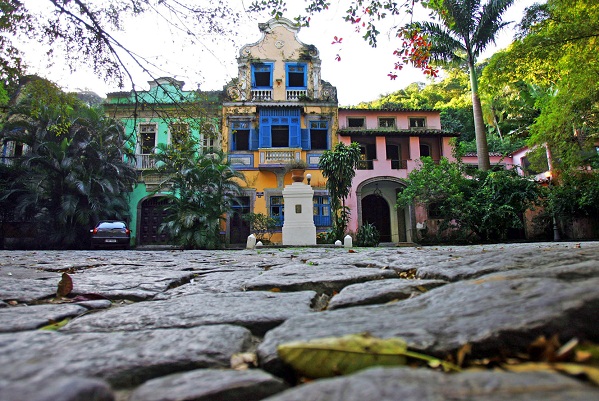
(482, 149)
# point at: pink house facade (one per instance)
(392, 142)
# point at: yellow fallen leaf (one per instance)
(333, 356)
(55, 325)
(591, 373)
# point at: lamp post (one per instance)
(556, 236)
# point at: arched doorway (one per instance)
(151, 217)
(375, 210)
(394, 223)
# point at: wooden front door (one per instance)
(152, 216)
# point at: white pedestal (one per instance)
(298, 226)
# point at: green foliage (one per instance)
(3, 95)
(326, 237)
(510, 103)
(72, 172)
(483, 207)
(464, 30)
(338, 166)
(367, 235)
(202, 189)
(503, 145)
(296, 165)
(538, 161)
(575, 195)
(263, 226)
(450, 92)
(14, 18)
(557, 54)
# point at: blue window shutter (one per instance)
(305, 139)
(305, 68)
(265, 133)
(232, 141)
(295, 139)
(254, 142)
(253, 76)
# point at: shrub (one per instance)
(483, 206)
(326, 237)
(263, 226)
(367, 235)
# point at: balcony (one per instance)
(154, 181)
(261, 94)
(144, 162)
(399, 164)
(366, 165)
(297, 94)
(9, 161)
(279, 156)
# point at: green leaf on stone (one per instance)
(55, 325)
(334, 356)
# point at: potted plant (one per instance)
(297, 168)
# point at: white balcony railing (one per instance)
(9, 161)
(261, 95)
(297, 94)
(279, 156)
(144, 162)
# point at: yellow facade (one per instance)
(276, 111)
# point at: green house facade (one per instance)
(164, 114)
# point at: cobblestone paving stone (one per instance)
(164, 324)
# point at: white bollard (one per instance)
(251, 242)
(259, 244)
(347, 241)
(338, 243)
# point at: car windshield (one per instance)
(112, 224)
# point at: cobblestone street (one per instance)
(164, 324)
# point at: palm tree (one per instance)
(75, 172)
(339, 168)
(465, 29)
(201, 190)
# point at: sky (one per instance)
(359, 76)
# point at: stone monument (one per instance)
(298, 226)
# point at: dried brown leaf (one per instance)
(464, 351)
(65, 286)
(543, 349)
